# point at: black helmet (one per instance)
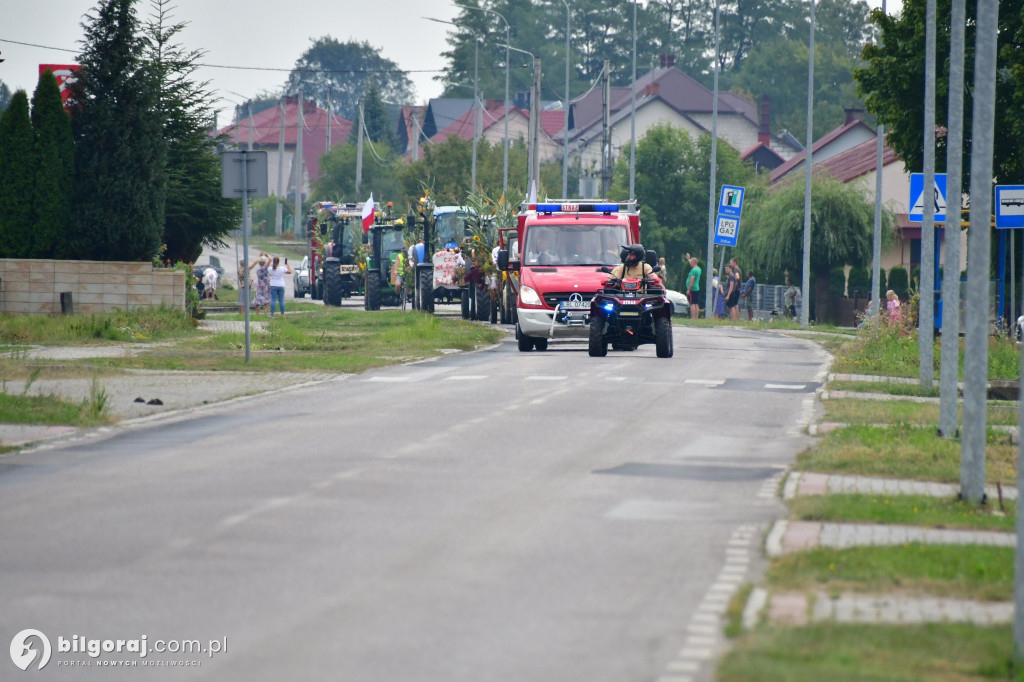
(632, 250)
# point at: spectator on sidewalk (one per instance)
(693, 287)
(747, 295)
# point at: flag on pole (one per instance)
(368, 213)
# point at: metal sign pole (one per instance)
(245, 247)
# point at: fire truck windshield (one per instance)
(574, 244)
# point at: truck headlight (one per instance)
(528, 296)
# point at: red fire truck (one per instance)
(561, 248)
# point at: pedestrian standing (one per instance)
(693, 287)
(262, 297)
(747, 295)
(719, 291)
(892, 307)
(277, 273)
(732, 295)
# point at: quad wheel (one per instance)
(663, 337)
(598, 345)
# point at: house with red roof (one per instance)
(857, 164)
(666, 95)
(266, 127)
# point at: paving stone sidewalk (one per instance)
(810, 483)
(787, 537)
(795, 608)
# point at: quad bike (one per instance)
(629, 312)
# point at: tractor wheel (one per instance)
(525, 342)
(316, 292)
(332, 282)
(464, 303)
(372, 299)
(425, 282)
(598, 344)
(663, 337)
(483, 302)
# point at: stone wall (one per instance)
(34, 287)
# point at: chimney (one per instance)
(661, 61)
(670, 61)
(651, 89)
(850, 115)
(764, 132)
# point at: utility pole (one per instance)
(476, 109)
(329, 107)
(876, 243)
(926, 302)
(278, 206)
(805, 304)
(632, 118)
(565, 109)
(299, 175)
(973, 441)
(949, 370)
(535, 117)
(606, 170)
(712, 199)
(359, 149)
(415, 136)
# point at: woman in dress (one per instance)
(262, 298)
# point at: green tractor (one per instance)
(385, 263)
(342, 274)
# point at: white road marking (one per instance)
(543, 377)
(705, 382)
(466, 377)
(786, 387)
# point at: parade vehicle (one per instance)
(629, 312)
(384, 259)
(446, 252)
(508, 240)
(341, 273)
(562, 248)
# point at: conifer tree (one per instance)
(16, 178)
(195, 212)
(54, 171)
(120, 153)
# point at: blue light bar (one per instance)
(577, 208)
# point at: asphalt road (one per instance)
(486, 516)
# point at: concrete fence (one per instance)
(47, 287)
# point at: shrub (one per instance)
(898, 281)
(837, 281)
(859, 280)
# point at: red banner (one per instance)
(65, 75)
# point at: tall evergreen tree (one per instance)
(379, 127)
(54, 169)
(195, 212)
(16, 178)
(120, 153)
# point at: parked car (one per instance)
(678, 302)
(300, 278)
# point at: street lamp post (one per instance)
(632, 122)
(476, 92)
(565, 107)
(531, 144)
(504, 180)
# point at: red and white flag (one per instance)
(368, 213)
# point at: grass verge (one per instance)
(867, 412)
(978, 572)
(27, 409)
(904, 451)
(911, 510)
(863, 653)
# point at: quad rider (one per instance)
(633, 265)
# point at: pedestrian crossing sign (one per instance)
(937, 197)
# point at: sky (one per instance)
(262, 39)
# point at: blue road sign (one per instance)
(1009, 206)
(727, 229)
(731, 201)
(937, 196)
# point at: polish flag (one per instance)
(368, 214)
